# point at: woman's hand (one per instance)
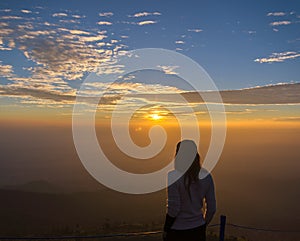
(164, 236)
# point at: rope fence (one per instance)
(262, 229)
(84, 237)
(222, 226)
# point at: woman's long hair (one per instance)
(186, 153)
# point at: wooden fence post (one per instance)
(222, 227)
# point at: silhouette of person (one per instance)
(191, 202)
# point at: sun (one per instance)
(155, 116)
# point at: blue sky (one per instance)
(51, 45)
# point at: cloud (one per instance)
(288, 119)
(279, 23)
(5, 10)
(111, 92)
(37, 93)
(48, 24)
(92, 38)
(106, 14)
(127, 88)
(79, 32)
(104, 23)
(59, 15)
(275, 94)
(145, 14)
(26, 11)
(131, 93)
(2, 24)
(11, 43)
(127, 22)
(9, 46)
(279, 57)
(195, 30)
(57, 51)
(6, 70)
(64, 55)
(51, 91)
(11, 18)
(5, 48)
(30, 34)
(281, 93)
(168, 69)
(69, 21)
(148, 22)
(43, 97)
(179, 42)
(78, 16)
(276, 14)
(250, 32)
(5, 32)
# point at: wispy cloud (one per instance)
(89, 93)
(6, 70)
(8, 46)
(148, 22)
(275, 94)
(106, 14)
(79, 32)
(92, 38)
(288, 119)
(104, 23)
(5, 10)
(12, 17)
(195, 30)
(59, 15)
(145, 14)
(279, 23)
(5, 48)
(250, 31)
(131, 93)
(26, 11)
(56, 51)
(277, 14)
(69, 21)
(168, 69)
(279, 57)
(36, 93)
(78, 16)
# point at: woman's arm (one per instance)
(210, 199)
(173, 206)
(173, 203)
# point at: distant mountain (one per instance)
(39, 186)
(30, 213)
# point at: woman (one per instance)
(187, 217)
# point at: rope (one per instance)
(85, 237)
(262, 229)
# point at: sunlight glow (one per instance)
(155, 116)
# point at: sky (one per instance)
(47, 48)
